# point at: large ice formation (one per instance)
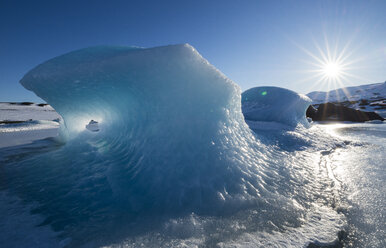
(172, 141)
(275, 104)
(171, 131)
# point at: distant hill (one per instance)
(14, 112)
(369, 97)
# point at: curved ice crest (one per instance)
(170, 125)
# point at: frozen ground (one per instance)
(361, 172)
(354, 171)
(357, 172)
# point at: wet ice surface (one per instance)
(351, 172)
(361, 169)
(18, 228)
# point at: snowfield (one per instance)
(22, 124)
(369, 97)
(19, 112)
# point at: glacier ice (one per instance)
(172, 143)
(172, 136)
(275, 104)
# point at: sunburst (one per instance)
(331, 67)
(332, 70)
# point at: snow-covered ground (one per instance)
(369, 97)
(22, 124)
(19, 112)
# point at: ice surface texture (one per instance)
(275, 104)
(172, 135)
(172, 140)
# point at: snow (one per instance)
(35, 123)
(92, 126)
(369, 97)
(275, 104)
(18, 112)
(21, 134)
(355, 93)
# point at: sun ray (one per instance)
(331, 64)
(327, 47)
(307, 52)
(322, 54)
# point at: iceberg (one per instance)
(173, 153)
(275, 104)
(171, 137)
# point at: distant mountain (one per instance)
(369, 97)
(355, 93)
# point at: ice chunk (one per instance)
(275, 104)
(93, 126)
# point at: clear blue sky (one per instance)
(252, 42)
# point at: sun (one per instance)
(329, 67)
(332, 70)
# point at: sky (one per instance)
(254, 43)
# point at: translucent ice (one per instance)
(171, 132)
(275, 104)
(173, 153)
